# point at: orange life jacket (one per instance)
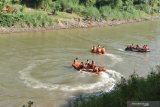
(99, 50)
(103, 51)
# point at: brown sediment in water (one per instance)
(70, 24)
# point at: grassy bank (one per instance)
(23, 19)
(42, 13)
(134, 89)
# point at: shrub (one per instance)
(21, 18)
(92, 12)
(56, 6)
(105, 11)
(78, 9)
(146, 8)
(9, 20)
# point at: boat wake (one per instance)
(105, 82)
(115, 58)
(121, 49)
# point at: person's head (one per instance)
(76, 58)
(87, 60)
(82, 63)
(98, 45)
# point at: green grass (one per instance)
(109, 13)
(134, 89)
(30, 19)
(37, 19)
(63, 15)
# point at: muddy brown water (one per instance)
(37, 66)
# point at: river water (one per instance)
(37, 66)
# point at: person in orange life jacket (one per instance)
(99, 49)
(137, 46)
(92, 64)
(94, 49)
(82, 65)
(103, 50)
(87, 64)
(75, 61)
(147, 47)
(96, 69)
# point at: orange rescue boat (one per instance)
(95, 69)
(98, 50)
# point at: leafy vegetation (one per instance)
(32, 19)
(134, 89)
(106, 9)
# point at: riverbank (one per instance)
(76, 23)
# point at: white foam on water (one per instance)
(121, 49)
(106, 80)
(104, 75)
(114, 74)
(115, 58)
